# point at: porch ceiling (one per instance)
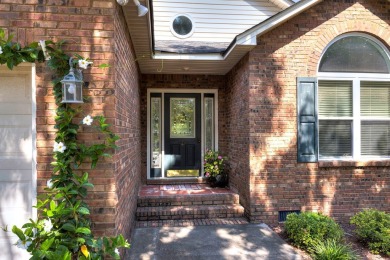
(154, 62)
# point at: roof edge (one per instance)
(249, 36)
(282, 3)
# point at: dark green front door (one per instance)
(182, 135)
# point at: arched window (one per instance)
(354, 99)
(355, 54)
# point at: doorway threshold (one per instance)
(174, 181)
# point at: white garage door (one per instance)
(17, 187)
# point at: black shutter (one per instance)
(307, 119)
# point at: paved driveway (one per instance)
(249, 241)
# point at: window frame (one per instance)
(356, 78)
(356, 118)
(189, 34)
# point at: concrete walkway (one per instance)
(249, 241)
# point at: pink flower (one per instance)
(207, 174)
(219, 157)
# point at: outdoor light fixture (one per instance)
(72, 86)
(142, 10)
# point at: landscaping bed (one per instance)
(361, 250)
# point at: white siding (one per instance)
(218, 20)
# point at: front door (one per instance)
(182, 135)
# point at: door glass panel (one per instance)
(209, 123)
(182, 121)
(155, 129)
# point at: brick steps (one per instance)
(177, 205)
(189, 212)
(191, 222)
(188, 200)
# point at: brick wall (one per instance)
(277, 181)
(181, 82)
(128, 126)
(88, 26)
(237, 129)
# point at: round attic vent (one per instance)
(182, 26)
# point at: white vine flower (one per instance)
(84, 63)
(59, 147)
(1, 50)
(47, 225)
(87, 120)
(117, 251)
(23, 244)
(49, 184)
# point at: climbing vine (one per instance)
(63, 227)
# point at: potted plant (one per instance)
(214, 169)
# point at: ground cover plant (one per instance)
(332, 250)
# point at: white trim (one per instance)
(163, 91)
(249, 37)
(179, 56)
(34, 140)
(356, 118)
(356, 142)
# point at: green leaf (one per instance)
(69, 227)
(72, 131)
(83, 211)
(19, 233)
(81, 240)
(10, 64)
(83, 230)
(47, 243)
(104, 65)
(49, 213)
(87, 184)
(53, 205)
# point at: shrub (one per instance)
(332, 250)
(373, 228)
(308, 228)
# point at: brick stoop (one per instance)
(187, 205)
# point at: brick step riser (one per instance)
(165, 213)
(188, 201)
(188, 217)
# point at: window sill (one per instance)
(340, 163)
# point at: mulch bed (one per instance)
(351, 239)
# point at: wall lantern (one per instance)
(72, 86)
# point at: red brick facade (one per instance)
(128, 127)
(95, 30)
(257, 109)
(277, 181)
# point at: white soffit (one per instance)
(212, 63)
